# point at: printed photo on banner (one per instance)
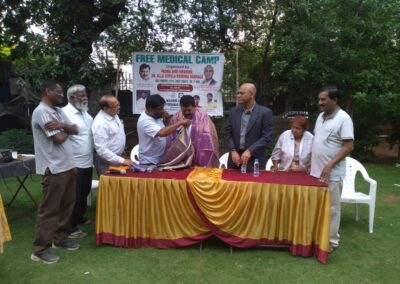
(141, 96)
(173, 75)
(144, 72)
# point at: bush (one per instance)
(17, 140)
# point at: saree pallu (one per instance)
(204, 139)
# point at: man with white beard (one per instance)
(76, 111)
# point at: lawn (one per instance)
(361, 258)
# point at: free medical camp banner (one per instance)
(173, 75)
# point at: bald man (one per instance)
(248, 130)
(109, 136)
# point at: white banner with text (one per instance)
(173, 75)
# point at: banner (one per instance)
(173, 75)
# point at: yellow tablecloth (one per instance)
(141, 209)
(246, 214)
(5, 234)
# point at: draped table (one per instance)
(181, 208)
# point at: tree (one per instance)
(14, 15)
(72, 27)
(352, 44)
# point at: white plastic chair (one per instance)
(269, 164)
(135, 154)
(223, 161)
(95, 186)
(349, 195)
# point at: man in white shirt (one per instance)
(333, 141)
(141, 101)
(76, 111)
(109, 136)
(152, 132)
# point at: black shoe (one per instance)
(67, 244)
(46, 257)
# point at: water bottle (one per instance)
(243, 169)
(256, 168)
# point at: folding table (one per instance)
(20, 169)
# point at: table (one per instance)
(20, 169)
(168, 209)
(147, 210)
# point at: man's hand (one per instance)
(246, 155)
(54, 125)
(307, 168)
(127, 162)
(275, 165)
(325, 173)
(186, 122)
(274, 168)
(235, 158)
(165, 115)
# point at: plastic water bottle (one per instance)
(243, 169)
(256, 168)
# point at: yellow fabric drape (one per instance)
(5, 234)
(162, 212)
(146, 208)
(294, 213)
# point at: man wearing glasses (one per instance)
(52, 131)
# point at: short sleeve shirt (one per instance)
(329, 134)
(151, 146)
(57, 157)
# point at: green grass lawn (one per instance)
(361, 258)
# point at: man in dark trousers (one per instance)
(248, 130)
(54, 161)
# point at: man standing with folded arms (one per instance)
(51, 135)
(77, 112)
(333, 141)
(248, 130)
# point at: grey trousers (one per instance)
(335, 188)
